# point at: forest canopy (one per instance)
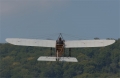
(21, 62)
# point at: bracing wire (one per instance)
(75, 37)
(54, 36)
(46, 36)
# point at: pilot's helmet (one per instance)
(60, 39)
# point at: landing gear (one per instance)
(69, 52)
(64, 54)
(51, 52)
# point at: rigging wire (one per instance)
(46, 36)
(54, 36)
(76, 37)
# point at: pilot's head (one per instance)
(60, 39)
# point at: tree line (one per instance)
(21, 62)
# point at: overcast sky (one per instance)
(85, 19)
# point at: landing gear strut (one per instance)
(69, 52)
(51, 52)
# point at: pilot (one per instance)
(60, 41)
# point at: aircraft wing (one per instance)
(88, 43)
(31, 42)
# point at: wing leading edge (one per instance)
(31, 42)
(88, 43)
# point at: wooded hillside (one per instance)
(21, 62)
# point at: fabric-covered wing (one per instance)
(31, 42)
(88, 43)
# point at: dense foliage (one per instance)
(21, 62)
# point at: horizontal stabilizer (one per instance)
(68, 59)
(46, 58)
(64, 59)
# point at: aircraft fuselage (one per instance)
(60, 47)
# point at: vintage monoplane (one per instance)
(60, 44)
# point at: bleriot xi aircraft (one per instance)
(60, 44)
